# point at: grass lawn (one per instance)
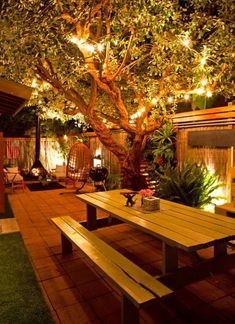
(21, 300)
(8, 211)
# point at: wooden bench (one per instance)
(137, 287)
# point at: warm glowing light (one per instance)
(46, 85)
(170, 99)
(76, 41)
(203, 61)
(34, 83)
(65, 137)
(186, 42)
(186, 96)
(204, 82)
(200, 91)
(154, 101)
(100, 47)
(97, 158)
(89, 47)
(209, 94)
(116, 42)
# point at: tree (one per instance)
(123, 63)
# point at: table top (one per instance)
(177, 225)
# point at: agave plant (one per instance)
(190, 184)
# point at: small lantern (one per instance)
(97, 159)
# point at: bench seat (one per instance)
(138, 288)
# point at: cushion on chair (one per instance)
(13, 169)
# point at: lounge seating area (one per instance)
(13, 178)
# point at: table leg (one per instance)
(91, 217)
(170, 258)
(220, 249)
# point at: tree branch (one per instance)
(125, 57)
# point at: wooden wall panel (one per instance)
(1, 175)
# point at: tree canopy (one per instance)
(123, 63)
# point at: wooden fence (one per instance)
(216, 155)
(21, 152)
(1, 176)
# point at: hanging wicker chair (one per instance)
(78, 165)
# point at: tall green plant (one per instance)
(160, 151)
(190, 184)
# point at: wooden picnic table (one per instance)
(177, 226)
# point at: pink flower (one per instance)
(146, 192)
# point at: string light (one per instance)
(76, 41)
(186, 42)
(154, 101)
(200, 91)
(170, 99)
(204, 82)
(209, 94)
(100, 47)
(34, 83)
(89, 47)
(186, 96)
(203, 61)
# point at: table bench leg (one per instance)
(66, 245)
(91, 217)
(130, 313)
(220, 249)
(170, 258)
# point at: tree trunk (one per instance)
(132, 178)
(129, 159)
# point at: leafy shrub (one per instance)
(112, 182)
(190, 184)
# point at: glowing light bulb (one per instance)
(34, 83)
(89, 48)
(186, 42)
(200, 91)
(100, 47)
(209, 94)
(170, 99)
(65, 137)
(154, 101)
(186, 96)
(77, 41)
(204, 82)
(203, 61)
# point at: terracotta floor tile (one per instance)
(157, 313)
(63, 298)
(209, 314)
(50, 271)
(223, 281)
(206, 291)
(227, 306)
(83, 276)
(93, 289)
(75, 265)
(105, 305)
(113, 318)
(57, 283)
(43, 262)
(79, 313)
